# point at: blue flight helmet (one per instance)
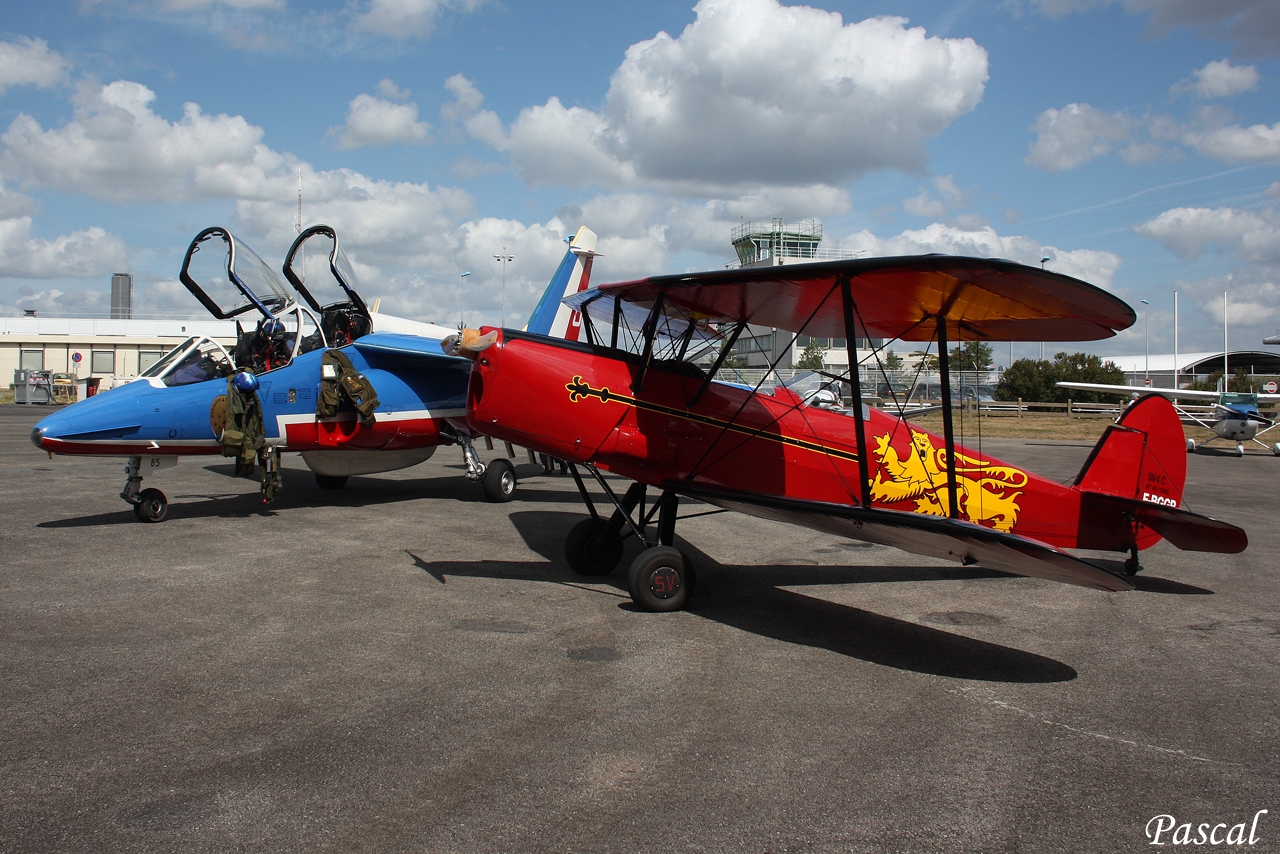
(245, 381)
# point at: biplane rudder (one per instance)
(1142, 456)
(552, 317)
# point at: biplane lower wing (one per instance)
(932, 536)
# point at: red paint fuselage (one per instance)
(584, 403)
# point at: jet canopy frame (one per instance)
(344, 314)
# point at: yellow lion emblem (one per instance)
(987, 493)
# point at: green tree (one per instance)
(971, 356)
(1240, 382)
(927, 361)
(892, 362)
(1034, 379)
(811, 358)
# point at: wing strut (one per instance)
(855, 381)
(724, 352)
(948, 429)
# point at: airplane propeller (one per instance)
(467, 343)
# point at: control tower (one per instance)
(761, 244)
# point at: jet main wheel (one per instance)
(331, 481)
(152, 506)
(589, 551)
(661, 579)
(499, 481)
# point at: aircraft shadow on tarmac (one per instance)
(750, 598)
(301, 491)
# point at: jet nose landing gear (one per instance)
(149, 505)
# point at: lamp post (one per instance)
(504, 258)
(1146, 325)
(462, 298)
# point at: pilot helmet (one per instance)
(245, 381)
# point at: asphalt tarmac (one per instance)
(400, 666)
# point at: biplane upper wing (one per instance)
(933, 536)
(981, 298)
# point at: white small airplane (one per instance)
(1237, 414)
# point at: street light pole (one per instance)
(504, 258)
(462, 298)
(1146, 346)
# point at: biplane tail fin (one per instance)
(1142, 456)
(1135, 477)
(552, 317)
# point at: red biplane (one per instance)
(631, 401)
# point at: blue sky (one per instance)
(1136, 143)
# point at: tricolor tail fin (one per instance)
(1136, 474)
(552, 317)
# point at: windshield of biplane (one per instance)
(674, 334)
(229, 278)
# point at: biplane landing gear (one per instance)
(591, 549)
(1131, 566)
(661, 578)
(149, 505)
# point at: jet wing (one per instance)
(982, 298)
(411, 346)
(1140, 390)
(1174, 393)
(933, 536)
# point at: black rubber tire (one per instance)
(331, 481)
(499, 481)
(152, 506)
(661, 579)
(587, 552)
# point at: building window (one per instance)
(147, 358)
(33, 360)
(104, 362)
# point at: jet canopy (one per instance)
(325, 278)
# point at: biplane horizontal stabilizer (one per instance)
(1186, 530)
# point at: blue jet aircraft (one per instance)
(178, 407)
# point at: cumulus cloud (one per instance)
(1238, 144)
(29, 61)
(1074, 135)
(406, 19)
(707, 112)
(1093, 266)
(82, 254)
(1220, 79)
(116, 148)
(377, 121)
(1249, 235)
